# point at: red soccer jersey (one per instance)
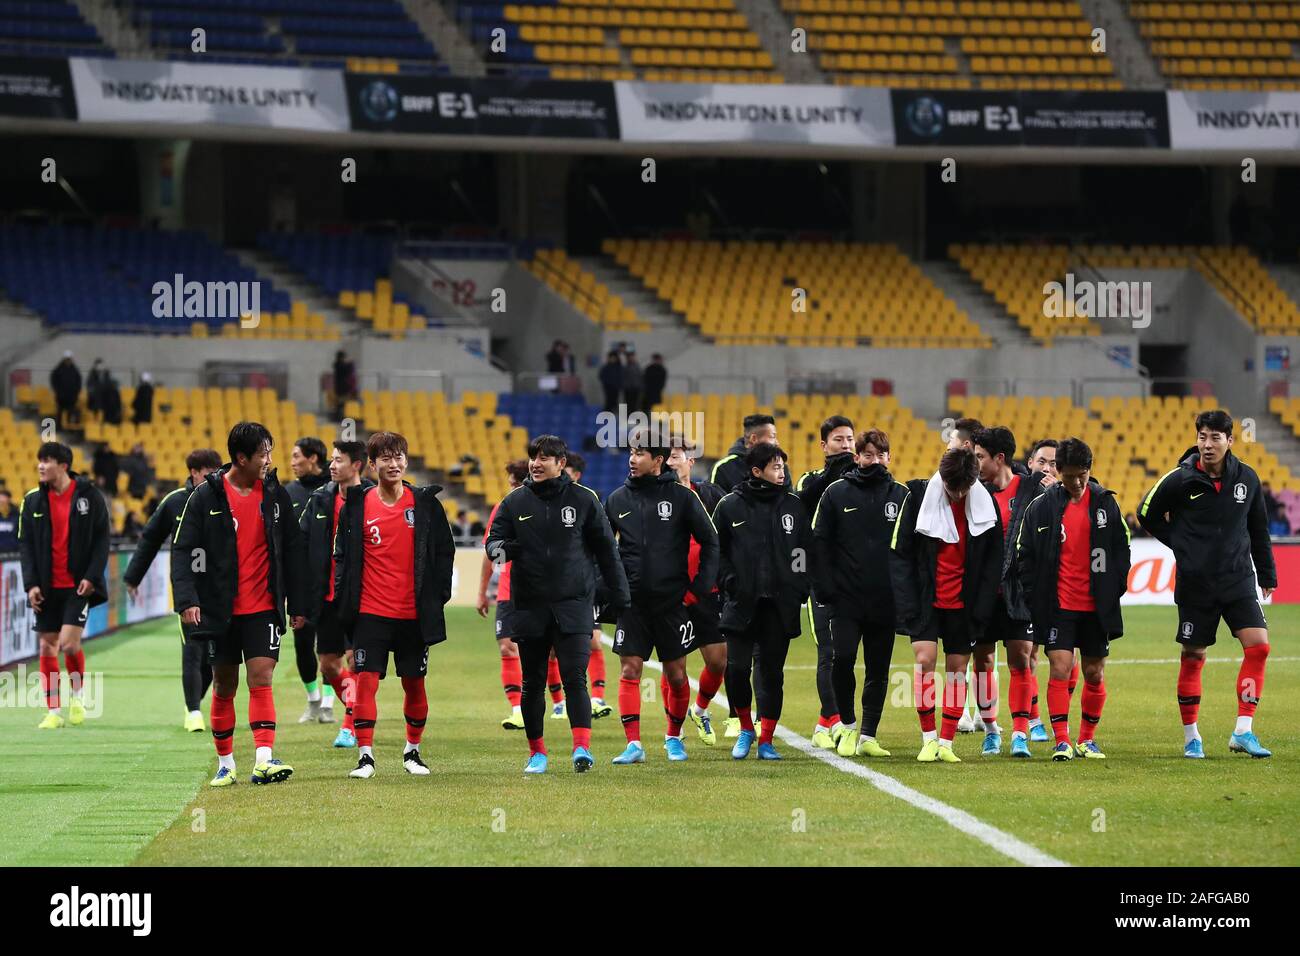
(503, 579)
(338, 506)
(1218, 482)
(388, 569)
(1074, 577)
(950, 570)
(254, 593)
(60, 516)
(1004, 499)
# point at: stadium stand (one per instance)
(706, 41)
(49, 28)
(744, 293)
(913, 44)
(1204, 45)
(567, 278)
(1015, 276)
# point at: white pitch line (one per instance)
(1109, 662)
(1009, 846)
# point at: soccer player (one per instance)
(1072, 552)
(944, 567)
(393, 556)
(237, 558)
(655, 519)
(1042, 460)
(852, 530)
(1013, 488)
(1210, 512)
(63, 532)
(765, 538)
(196, 669)
(705, 613)
(730, 470)
(962, 435)
(309, 461)
(511, 676)
(574, 468)
(837, 447)
(552, 530)
(318, 522)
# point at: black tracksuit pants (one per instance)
(572, 651)
(196, 672)
(765, 635)
(877, 640)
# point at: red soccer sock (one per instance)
(1074, 679)
(596, 673)
(1018, 700)
(986, 692)
(709, 685)
(537, 746)
(349, 680)
(1092, 702)
(923, 691)
(365, 710)
(1058, 708)
(512, 679)
(50, 680)
(261, 716)
(828, 722)
(629, 707)
(1189, 688)
(581, 737)
(767, 727)
(1250, 680)
(553, 681)
(415, 708)
(954, 704)
(221, 715)
(75, 663)
(746, 718)
(676, 700)
(1033, 695)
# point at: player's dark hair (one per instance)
(54, 451)
(834, 422)
(313, 448)
(355, 450)
(1043, 443)
(550, 446)
(1073, 453)
(959, 468)
(687, 446)
(576, 462)
(203, 459)
(517, 469)
(967, 427)
(762, 453)
(385, 443)
(247, 439)
(754, 422)
(644, 439)
(872, 436)
(1216, 421)
(996, 440)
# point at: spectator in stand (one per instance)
(460, 527)
(142, 404)
(345, 381)
(633, 382)
(1271, 503)
(611, 379)
(8, 523)
(131, 527)
(105, 468)
(95, 382)
(1135, 530)
(112, 400)
(65, 383)
(656, 377)
(555, 358)
(1278, 525)
(139, 470)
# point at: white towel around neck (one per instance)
(935, 518)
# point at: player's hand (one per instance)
(35, 598)
(84, 587)
(297, 622)
(134, 592)
(1268, 593)
(1049, 479)
(482, 605)
(190, 615)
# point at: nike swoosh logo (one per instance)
(38, 514)
(214, 512)
(737, 524)
(625, 514)
(525, 517)
(1044, 527)
(1194, 497)
(371, 521)
(322, 516)
(847, 510)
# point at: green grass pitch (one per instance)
(130, 787)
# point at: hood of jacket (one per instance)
(647, 482)
(549, 488)
(756, 489)
(868, 477)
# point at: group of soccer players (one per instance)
(982, 552)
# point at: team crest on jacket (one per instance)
(359, 654)
(1101, 518)
(665, 510)
(275, 515)
(83, 506)
(787, 522)
(891, 511)
(569, 515)
(1239, 491)
(410, 517)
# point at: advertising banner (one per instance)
(765, 113)
(482, 107)
(36, 87)
(1234, 121)
(1024, 118)
(1151, 574)
(159, 91)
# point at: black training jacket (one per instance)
(435, 559)
(206, 525)
(552, 531)
(88, 532)
(913, 562)
(813, 484)
(654, 518)
(765, 546)
(1214, 535)
(710, 494)
(852, 531)
(1031, 486)
(317, 526)
(730, 470)
(1038, 556)
(160, 527)
(300, 489)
